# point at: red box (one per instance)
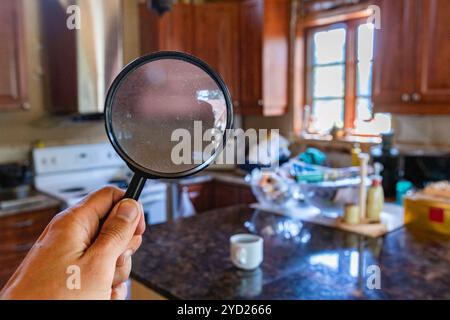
(436, 215)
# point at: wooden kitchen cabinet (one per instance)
(171, 31)
(208, 31)
(215, 194)
(433, 74)
(411, 59)
(245, 41)
(230, 194)
(264, 54)
(216, 41)
(13, 87)
(393, 75)
(200, 195)
(18, 233)
(225, 194)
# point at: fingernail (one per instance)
(127, 210)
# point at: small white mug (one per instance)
(246, 251)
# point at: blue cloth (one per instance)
(313, 156)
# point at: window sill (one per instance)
(346, 143)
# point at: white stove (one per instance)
(69, 173)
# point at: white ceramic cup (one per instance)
(246, 251)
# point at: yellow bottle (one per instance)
(356, 150)
(375, 196)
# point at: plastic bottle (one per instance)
(375, 196)
(356, 150)
(389, 157)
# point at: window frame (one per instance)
(351, 24)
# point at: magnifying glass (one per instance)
(167, 115)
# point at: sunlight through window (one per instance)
(328, 68)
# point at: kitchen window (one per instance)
(339, 79)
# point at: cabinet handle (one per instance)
(23, 247)
(194, 194)
(260, 102)
(416, 97)
(16, 248)
(22, 224)
(406, 97)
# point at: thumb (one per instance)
(118, 229)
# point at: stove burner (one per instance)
(71, 190)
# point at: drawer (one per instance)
(19, 232)
(246, 196)
(9, 263)
(200, 195)
(27, 219)
(11, 260)
(16, 245)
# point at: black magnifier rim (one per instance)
(132, 66)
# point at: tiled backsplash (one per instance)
(422, 130)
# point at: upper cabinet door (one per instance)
(176, 29)
(246, 42)
(216, 41)
(171, 31)
(251, 15)
(412, 55)
(264, 54)
(275, 56)
(394, 70)
(433, 81)
(13, 88)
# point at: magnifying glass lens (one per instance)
(167, 116)
(160, 114)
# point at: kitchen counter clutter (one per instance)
(189, 259)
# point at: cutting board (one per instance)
(392, 218)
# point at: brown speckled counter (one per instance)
(189, 259)
(44, 203)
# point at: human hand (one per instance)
(73, 241)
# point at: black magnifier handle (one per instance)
(135, 187)
(133, 192)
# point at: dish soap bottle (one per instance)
(356, 150)
(389, 157)
(375, 195)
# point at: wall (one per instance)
(19, 129)
(427, 133)
(424, 132)
(282, 123)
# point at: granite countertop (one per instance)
(42, 202)
(189, 259)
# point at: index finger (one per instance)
(96, 206)
(92, 209)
